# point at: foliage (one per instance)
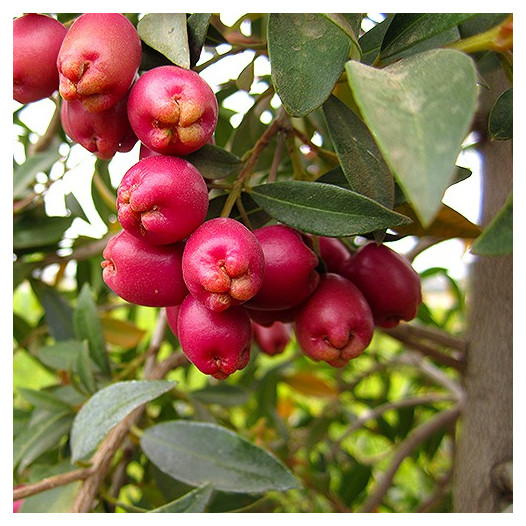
(353, 131)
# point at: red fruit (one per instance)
(290, 269)
(223, 264)
(172, 110)
(142, 273)
(272, 339)
(98, 60)
(36, 43)
(104, 133)
(333, 253)
(388, 281)
(172, 315)
(335, 324)
(217, 343)
(162, 199)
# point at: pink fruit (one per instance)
(335, 324)
(388, 281)
(223, 264)
(333, 253)
(172, 315)
(36, 42)
(172, 110)
(272, 339)
(217, 343)
(142, 273)
(98, 60)
(104, 133)
(162, 199)
(290, 269)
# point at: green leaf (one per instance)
(214, 162)
(410, 29)
(168, 34)
(24, 174)
(31, 233)
(198, 24)
(201, 453)
(40, 437)
(60, 356)
(88, 327)
(361, 161)
(82, 366)
(223, 394)
(501, 117)
(419, 111)
(324, 209)
(497, 237)
(194, 501)
(106, 408)
(44, 400)
(307, 55)
(58, 311)
(350, 24)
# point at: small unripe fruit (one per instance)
(333, 253)
(162, 199)
(223, 264)
(272, 339)
(290, 269)
(217, 343)
(172, 110)
(142, 273)
(104, 133)
(335, 324)
(36, 42)
(98, 60)
(388, 281)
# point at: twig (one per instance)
(51, 482)
(417, 436)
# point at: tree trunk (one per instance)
(483, 468)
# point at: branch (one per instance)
(417, 436)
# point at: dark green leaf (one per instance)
(410, 29)
(88, 327)
(324, 209)
(361, 161)
(167, 33)
(497, 237)
(30, 233)
(106, 408)
(82, 366)
(355, 478)
(307, 55)
(24, 174)
(200, 453)
(193, 502)
(197, 26)
(44, 400)
(58, 311)
(256, 215)
(350, 24)
(60, 356)
(74, 206)
(223, 394)
(40, 437)
(214, 162)
(501, 117)
(371, 41)
(419, 110)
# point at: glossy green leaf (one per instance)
(194, 501)
(168, 34)
(214, 162)
(501, 117)
(32, 233)
(106, 408)
(42, 436)
(371, 41)
(361, 161)
(350, 24)
(201, 453)
(497, 237)
(324, 209)
(307, 55)
(197, 26)
(407, 30)
(58, 311)
(419, 111)
(88, 327)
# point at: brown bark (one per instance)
(482, 481)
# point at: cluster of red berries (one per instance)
(222, 284)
